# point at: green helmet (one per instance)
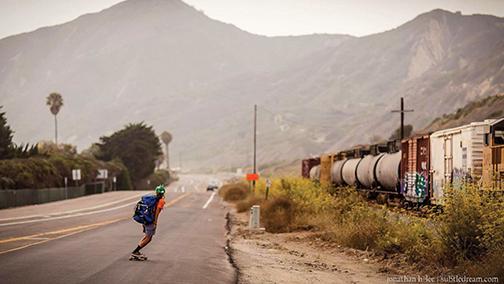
(160, 189)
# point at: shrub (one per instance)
(246, 204)
(491, 265)
(159, 177)
(28, 173)
(42, 172)
(234, 192)
(313, 202)
(359, 226)
(472, 225)
(459, 229)
(467, 236)
(413, 238)
(118, 169)
(277, 214)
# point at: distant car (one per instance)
(212, 185)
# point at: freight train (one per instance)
(418, 169)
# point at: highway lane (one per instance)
(65, 247)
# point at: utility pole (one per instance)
(255, 146)
(402, 111)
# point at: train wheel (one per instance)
(381, 198)
(407, 205)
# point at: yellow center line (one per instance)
(177, 199)
(171, 203)
(76, 230)
(61, 231)
(69, 231)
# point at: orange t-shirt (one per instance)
(161, 203)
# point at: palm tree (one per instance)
(55, 102)
(166, 137)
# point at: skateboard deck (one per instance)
(137, 258)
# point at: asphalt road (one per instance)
(89, 240)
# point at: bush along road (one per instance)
(304, 219)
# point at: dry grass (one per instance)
(490, 265)
(468, 236)
(234, 192)
(277, 214)
(244, 205)
(471, 229)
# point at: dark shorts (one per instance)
(149, 230)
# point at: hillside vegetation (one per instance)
(479, 110)
(466, 238)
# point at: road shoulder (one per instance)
(296, 258)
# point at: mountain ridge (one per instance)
(199, 78)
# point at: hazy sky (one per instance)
(266, 17)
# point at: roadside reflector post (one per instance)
(66, 188)
(268, 185)
(255, 212)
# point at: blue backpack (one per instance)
(145, 209)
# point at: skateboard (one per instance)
(138, 257)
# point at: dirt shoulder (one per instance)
(298, 257)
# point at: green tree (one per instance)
(408, 130)
(5, 136)
(136, 145)
(55, 102)
(23, 151)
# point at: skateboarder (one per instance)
(150, 229)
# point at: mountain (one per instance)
(479, 110)
(438, 62)
(165, 63)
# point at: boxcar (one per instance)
(456, 156)
(415, 168)
(493, 156)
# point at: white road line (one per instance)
(68, 216)
(71, 211)
(209, 200)
(37, 238)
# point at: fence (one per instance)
(21, 197)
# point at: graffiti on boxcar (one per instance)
(415, 186)
(459, 177)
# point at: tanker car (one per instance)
(419, 170)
